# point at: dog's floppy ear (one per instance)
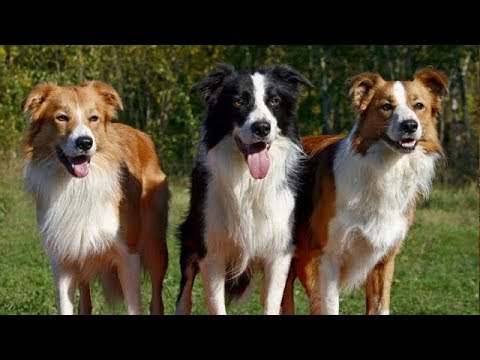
(291, 76)
(109, 95)
(208, 85)
(436, 81)
(35, 99)
(361, 89)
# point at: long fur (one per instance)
(373, 194)
(106, 218)
(362, 190)
(248, 210)
(246, 221)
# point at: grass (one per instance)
(436, 271)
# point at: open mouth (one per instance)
(77, 166)
(256, 156)
(406, 145)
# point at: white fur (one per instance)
(79, 112)
(65, 284)
(401, 113)
(129, 276)
(248, 220)
(260, 112)
(212, 268)
(373, 194)
(71, 146)
(77, 218)
(325, 294)
(276, 272)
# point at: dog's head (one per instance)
(68, 123)
(400, 114)
(255, 108)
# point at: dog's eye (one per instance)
(274, 101)
(387, 107)
(238, 102)
(62, 118)
(94, 118)
(418, 106)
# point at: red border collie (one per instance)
(363, 189)
(243, 187)
(101, 197)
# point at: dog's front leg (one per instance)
(275, 277)
(379, 283)
(212, 268)
(129, 275)
(324, 299)
(65, 285)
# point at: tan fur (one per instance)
(369, 92)
(142, 201)
(379, 282)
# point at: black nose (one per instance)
(84, 142)
(409, 126)
(261, 128)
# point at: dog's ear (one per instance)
(361, 89)
(213, 81)
(35, 100)
(109, 95)
(437, 82)
(291, 76)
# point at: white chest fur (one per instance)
(373, 194)
(247, 218)
(77, 217)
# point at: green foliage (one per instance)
(155, 81)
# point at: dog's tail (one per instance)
(112, 289)
(236, 289)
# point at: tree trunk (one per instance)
(324, 98)
(80, 64)
(386, 51)
(463, 99)
(336, 117)
(441, 127)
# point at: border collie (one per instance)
(363, 190)
(101, 197)
(243, 187)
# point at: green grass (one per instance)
(436, 271)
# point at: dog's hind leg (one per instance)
(85, 303)
(154, 239)
(288, 300)
(157, 274)
(189, 270)
(190, 236)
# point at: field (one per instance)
(436, 273)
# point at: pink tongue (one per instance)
(257, 160)
(80, 166)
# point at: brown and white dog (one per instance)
(362, 191)
(101, 197)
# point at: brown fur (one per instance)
(369, 92)
(142, 202)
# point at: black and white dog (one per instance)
(243, 187)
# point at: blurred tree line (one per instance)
(154, 83)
